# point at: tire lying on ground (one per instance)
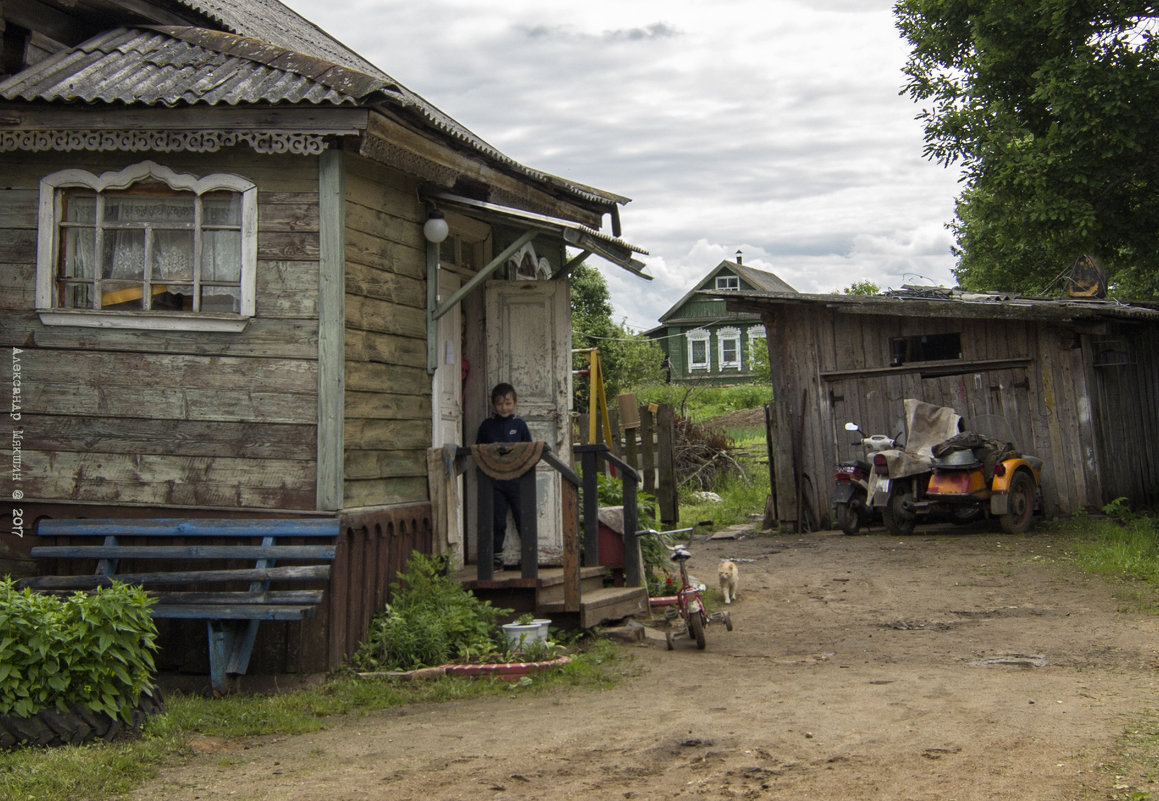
(78, 725)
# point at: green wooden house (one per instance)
(705, 342)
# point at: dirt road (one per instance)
(938, 666)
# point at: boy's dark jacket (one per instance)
(503, 429)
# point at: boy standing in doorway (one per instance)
(503, 426)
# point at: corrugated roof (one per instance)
(183, 66)
(175, 76)
(930, 301)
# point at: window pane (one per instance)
(699, 352)
(728, 350)
(124, 254)
(221, 210)
(221, 256)
(173, 255)
(78, 259)
(80, 207)
(163, 211)
(76, 296)
(220, 299)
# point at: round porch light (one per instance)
(435, 229)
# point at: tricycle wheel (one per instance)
(848, 519)
(696, 626)
(1020, 504)
(896, 518)
(727, 621)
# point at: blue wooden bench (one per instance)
(180, 589)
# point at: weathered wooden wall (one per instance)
(829, 368)
(211, 420)
(1126, 406)
(388, 391)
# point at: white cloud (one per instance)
(770, 126)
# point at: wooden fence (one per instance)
(649, 447)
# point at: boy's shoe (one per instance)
(498, 563)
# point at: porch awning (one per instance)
(588, 240)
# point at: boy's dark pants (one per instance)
(506, 496)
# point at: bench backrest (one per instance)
(264, 553)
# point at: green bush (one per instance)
(94, 651)
(431, 620)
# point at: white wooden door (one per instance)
(529, 346)
(447, 408)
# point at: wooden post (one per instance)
(633, 559)
(529, 527)
(571, 561)
(648, 450)
(590, 462)
(485, 530)
(666, 497)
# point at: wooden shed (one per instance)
(1078, 379)
(227, 288)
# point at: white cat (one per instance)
(729, 580)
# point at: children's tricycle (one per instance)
(687, 603)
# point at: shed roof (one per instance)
(911, 301)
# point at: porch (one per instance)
(580, 593)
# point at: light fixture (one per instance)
(435, 229)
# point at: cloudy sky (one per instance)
(773, 127)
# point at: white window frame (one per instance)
(723, 336)
(699, 335)
(48, 249)
(728, 282)
(755, 332)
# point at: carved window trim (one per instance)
(48, 256)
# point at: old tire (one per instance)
(848, 520)
(965, 515)
(51, 727)
(1020, 504)
(897, 520)
(696, 627)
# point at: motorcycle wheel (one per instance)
(1021, 504)
(848, 520)
(696, 626)
(897, 520)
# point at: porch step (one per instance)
(603, 605)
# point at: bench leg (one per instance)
(231, 642)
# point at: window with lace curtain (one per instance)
(147, 247)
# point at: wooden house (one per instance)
(705, 342)
(1077, 379)
(218, 297)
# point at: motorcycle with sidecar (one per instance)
(980, 471)
(900, 475)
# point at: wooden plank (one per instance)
(172, 552)
(387, 286)
(190, 527)
(376, 253)
(265, 336)
(17, 246)
(115, 369)
(294, 597)
(157, 436)
(384, 492)
(375, 376)
(361, 464)
(387, 405)
(388, 435)
(288, 245)
(163, 578)
(169, 480)
(373, 346)
(372, 314)
(233, 612)
(18, 207)
(288, 211)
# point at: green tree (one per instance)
(865, 287)
(1048, 106)
(628, 360)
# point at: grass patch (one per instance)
(103, 770)
(1125, 550)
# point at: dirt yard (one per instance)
(955, 665)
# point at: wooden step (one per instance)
(603, 605)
